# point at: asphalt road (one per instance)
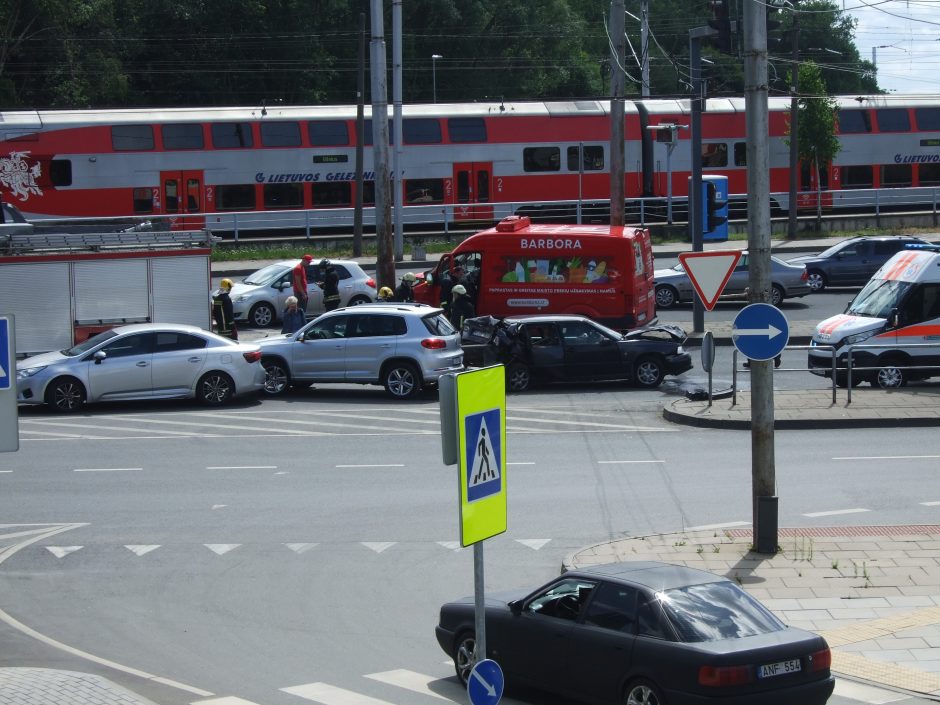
(309, 541)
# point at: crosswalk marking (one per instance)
(409, 680)
(227, 700)
(834, 512)
(331, 695)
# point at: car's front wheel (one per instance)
(518, 377)
(402, 380)
(464, 659)
(666, 297)
(215, 389)
(261, 315)
(276, 376)
(890, 375)
(359, 300)
(65, 394)
(817, 280)
(648, 372)
(643, 692)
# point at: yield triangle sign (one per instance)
(709, 272)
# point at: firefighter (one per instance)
(330, 285)
(385, 294)
(299, 281)
(448, 282)
(222, 311)
(461, 308)
(404, 291)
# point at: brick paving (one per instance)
(45, 686)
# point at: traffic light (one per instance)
(721, 20)
(714, 205)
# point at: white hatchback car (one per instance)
(260, 298)
(142, 361)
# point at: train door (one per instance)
(807, 188)
(473, 182)
(181, 196)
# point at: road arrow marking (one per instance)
(378, 546)
(62, 551)
(299, 548)
(490, 690)
(141, 550)
(221, 548)
(534, 544)
(770, 331)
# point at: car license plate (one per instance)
(778, 669)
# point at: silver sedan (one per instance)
(142, 361)
(673, 286)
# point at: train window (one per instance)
(927, 118)
(60, 172)
(856, 177)
(182, 136)
(143, 200)
(367, 133)
(368, 193)
(421, 131)
(328, 133)
(593, 158)
(283, 196)
(541, 159)
(854, 121)
(928, 174)
(280, 134)
(424, 191)
(332, 193)
(740, 153)
(893, 120)
(896, 176)
(232, 135)
(126, 138)
(714, 154)
(237, 197)
(466, 130)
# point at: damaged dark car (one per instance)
(568, 348)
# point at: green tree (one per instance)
(816, 124)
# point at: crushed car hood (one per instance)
(660, 331)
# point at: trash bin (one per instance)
(418, 253)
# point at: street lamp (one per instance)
(434, 58)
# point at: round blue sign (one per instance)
(760, 331)
(485, 684)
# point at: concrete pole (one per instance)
(360, 124)
(617, 90)
(696, 219)
(396, 117)
(794, 131)
(763, 473)
(385, 264)
(645, 48)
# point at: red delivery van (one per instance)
(600, 271)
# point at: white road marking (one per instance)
(141, 550)
(56, 435)
(299, 548)
(534, 544)
(331, 695)
(450, 545)
(221, 548)
(513, 419)
(835, 512)
(390, 465)
(74, 424)
(219, 506)
(241, 467)
(865, 693)
(726, 525)
(227, 700)
(228, 427)
(887, 457)
(625, 462)
(62, 551)
(409, 680)
(930, 504)
(378, 546)
(527, 463)
(107, 469)
(5, 471)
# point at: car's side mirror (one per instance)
(515, 607)
(894, 318)
(100, 356)
(429, 277)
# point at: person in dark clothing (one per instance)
(448, 282)
(471, 281)
(299, 281)
(461, 308)
(293, 318)
(222, 311)
(330, 285)
(403, 292)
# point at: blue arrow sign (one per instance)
(760, 331)
(7, 370)
(485, 684)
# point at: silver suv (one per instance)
(399, 346)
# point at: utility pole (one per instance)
(385, 264)
(617, 90)
(696, 219)
(360, 124)
(645, 48)
(396, 117)
(794, 114)
(763, 472)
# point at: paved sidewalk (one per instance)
(873, 592)
(46, 686)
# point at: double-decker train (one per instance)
(269, 168)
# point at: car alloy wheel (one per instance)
(518, 377)
(890, 376)
(666, 297)
(276, 377)
(464, 659)
(261, 315)
(359, 301)
(648, 372)
(402, 381)
(66, 394)
(215, 388)
(776, 295)
(643, 693)
(816, 280)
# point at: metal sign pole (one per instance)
(9, 414)
(479, 603)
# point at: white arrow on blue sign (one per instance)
(485, 684)
(760, 331)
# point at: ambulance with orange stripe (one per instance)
(892, 327)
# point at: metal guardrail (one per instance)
(850, 349)
(734, 368)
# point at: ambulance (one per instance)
(892, 326)
(517, 267)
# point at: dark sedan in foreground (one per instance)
(569, 348)
(643, 633)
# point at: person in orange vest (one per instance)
(222, 311)
(299, 282)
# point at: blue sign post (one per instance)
(9, 415)
(760, 331)
(7, 368)
(485, 684)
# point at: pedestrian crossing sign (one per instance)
(481, 457)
